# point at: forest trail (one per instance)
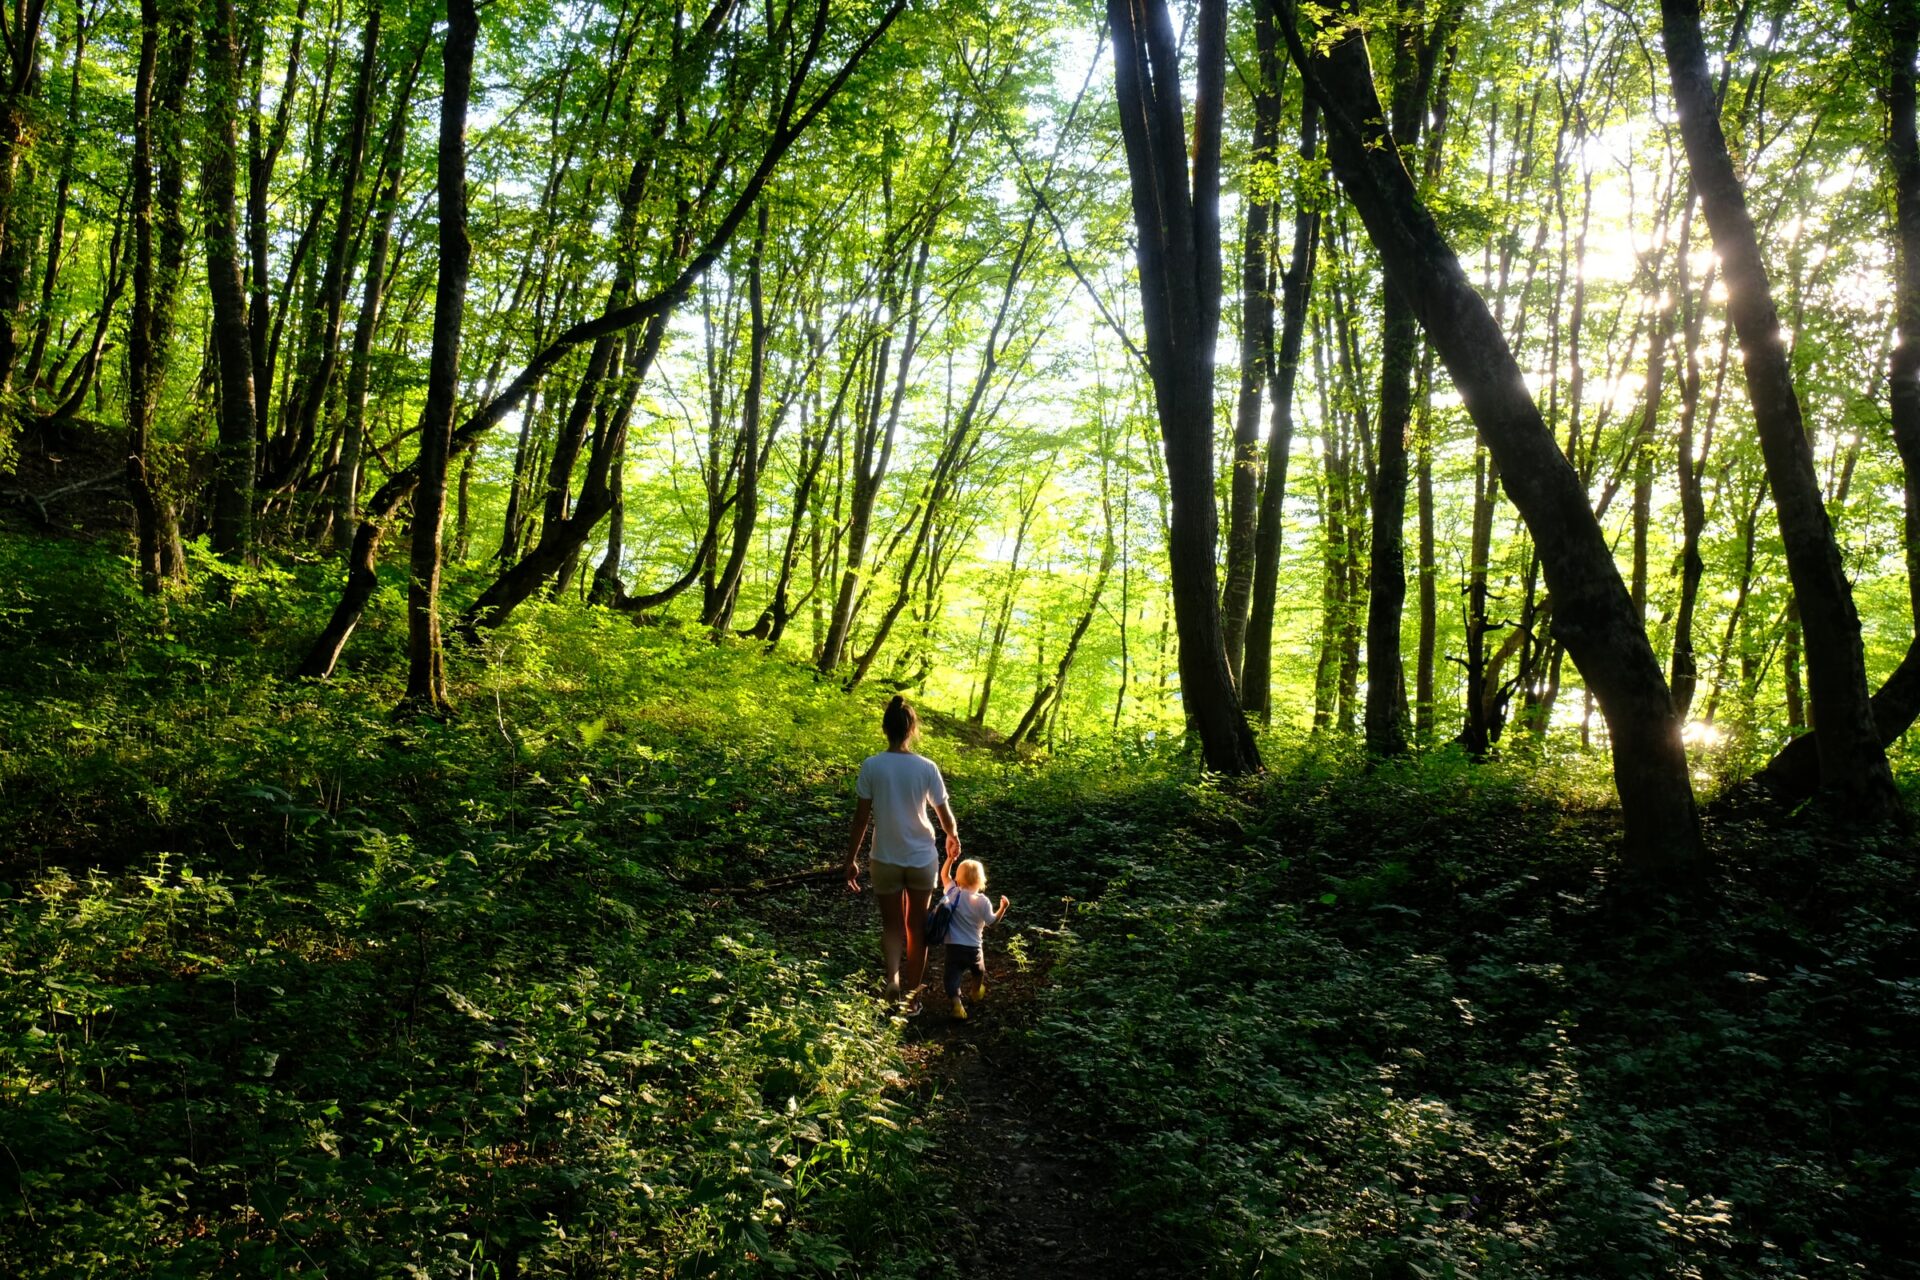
(1029, 1201)
(1028, 1197)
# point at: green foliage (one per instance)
(361, 997)
(1394, 1024)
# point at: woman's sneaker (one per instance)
(959, 1009)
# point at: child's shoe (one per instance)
(980, 989)
(959, 1009)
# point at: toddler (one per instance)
(973, 911)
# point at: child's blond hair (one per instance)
(971, 874)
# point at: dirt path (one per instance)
(1031, 1201)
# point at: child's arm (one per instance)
(1001, 914)
(946, 868)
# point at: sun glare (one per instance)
(1703, 734)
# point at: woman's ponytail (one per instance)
(899, 722)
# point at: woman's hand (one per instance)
(853, 875)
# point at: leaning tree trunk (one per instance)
(1796, 772)
(233, 356)
(426, 676)
(1594, 615)
(1177, 217)
(1853, 763)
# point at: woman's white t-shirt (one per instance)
(901, 785)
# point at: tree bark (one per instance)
(1853, 762)
(1256, 679)
(746, 507)
(1795, 773)
(873, 444)
(63, 186)
(1593, 614)
(353, 431)
(1256, 346)
(426, 675)
(320, 355)
(233, 355)
(159, 555)
(1386, 713)
(21, 83)
(263, 156)
(1177, 216)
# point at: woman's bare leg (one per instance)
(916, 967)
(894, 940)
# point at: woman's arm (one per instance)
(944, 812)
(862, 817)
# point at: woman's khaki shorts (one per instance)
(890, 877)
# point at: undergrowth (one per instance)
(289, 986)
(1409, 1023)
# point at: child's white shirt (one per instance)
(972, 912)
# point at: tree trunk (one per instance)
(1423, 690)
(957, 448)
(1903, 366)
(1689, 470)
(63, 186)
(321, 347)
(1593, 613)
(1177, 217)
(21, 84)
(353, 431)
(1853, 763)
(1415, 54)
(1256, 682)
(263, 155)
(1256, 346)
(746, 507)
(159, 555)
(873, 450)
(1005, 619)
(1796, 772)
(233, 470)
(426, 676)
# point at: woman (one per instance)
(895, 790)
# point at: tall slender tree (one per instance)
(1853, 763)
(1176, 213)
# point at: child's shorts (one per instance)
(961, 961)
